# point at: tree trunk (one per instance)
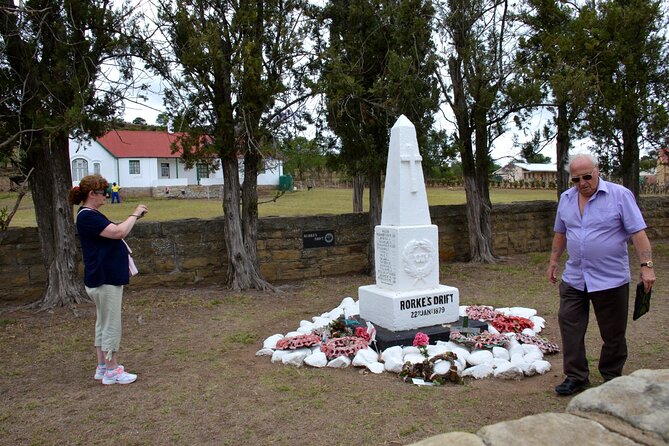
(358, 192)
(49, 185)
(250, 218)
(481, 248)
(242, 272)
(562, 149)
(374, 216)
(629, 163)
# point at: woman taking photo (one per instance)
(106, 271)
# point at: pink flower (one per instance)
(421, 340)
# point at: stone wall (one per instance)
(185, 252)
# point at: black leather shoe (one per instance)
(571, 386)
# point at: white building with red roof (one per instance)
(144, 159)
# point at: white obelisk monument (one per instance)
(407, 294)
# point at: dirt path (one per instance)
(201, 383)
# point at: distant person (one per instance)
(594, 221)
(115, 194)
(106, 271)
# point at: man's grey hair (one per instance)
(578, 156)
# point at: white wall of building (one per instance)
(84, 155)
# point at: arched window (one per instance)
(79, 169)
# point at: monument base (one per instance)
(387, 338)
(408, 310)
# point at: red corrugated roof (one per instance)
(139, 144)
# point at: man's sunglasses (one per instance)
(99, 192)
(586, 177)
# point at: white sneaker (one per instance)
(118, 376)
(99, 373)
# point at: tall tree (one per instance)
(552, 56)
(53, 53)
(236, 71)
(628, 46)
(479, 60)
(379, 64)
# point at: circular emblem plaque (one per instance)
(418, 258)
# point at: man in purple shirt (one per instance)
(594, 221)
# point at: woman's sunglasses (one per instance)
(586, 177)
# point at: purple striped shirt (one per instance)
(597, 240)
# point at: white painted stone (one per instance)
(296, 357)
(365, 357)
(533, 356)
(335, 313)
(375, 367)
(510, 372)
(500, 362)
(501, 352)
(461, 364)
(321, 322)
(442, 367)
(278, 355)
(461, 353)
(517, 358)
(523, 312)
(529, 369)
(480, 357)
(531, 348)
(407, 294)
(542, 366)
(434, 350)
(394, 351)
(492, 330)
(290, 334)
(479, 371)
(346, 302)
(539, 323)
(340, 362)
(410, 350)
(265, 352)
(271, 341)
(305, 330)
(450, 345)
(316, 359)
(414, 358)
(528, 332)
(393, 364)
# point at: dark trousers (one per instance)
(611, 312)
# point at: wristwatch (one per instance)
(649, 264)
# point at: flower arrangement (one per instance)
(295, 342)
(481, 313)
(544, 344)
(511, 324)
(481, 340)
(344, 346)
(425, 370)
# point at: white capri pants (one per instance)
(108, 300)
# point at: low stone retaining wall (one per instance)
(627, 411)
(184, 252)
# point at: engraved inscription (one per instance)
(386, 246)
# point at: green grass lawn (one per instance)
(313, 202)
